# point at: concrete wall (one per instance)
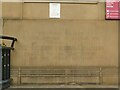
(56, 42)
(81, 37)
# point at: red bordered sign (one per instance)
(112, 9)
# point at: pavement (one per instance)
(64, 87)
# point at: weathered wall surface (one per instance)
(57, 42)
(81, 37)
(41, 11)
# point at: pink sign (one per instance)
(112, 9)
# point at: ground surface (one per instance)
(63, 87)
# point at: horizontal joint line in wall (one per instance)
(66, 2)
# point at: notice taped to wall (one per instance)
(54, 10)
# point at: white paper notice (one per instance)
(54, 10)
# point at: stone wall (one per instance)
(81, 37)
